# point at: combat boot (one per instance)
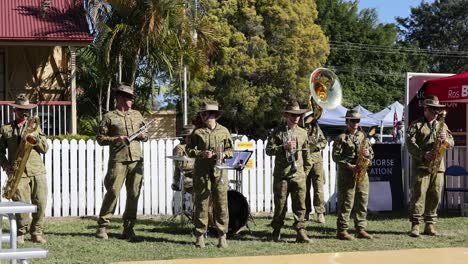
(20, 239)
(200, 241)
(276, 235)
(38, 239)
(302, 236)
(222, 243)
(344, 235)
(101, 233)
(361, 233)
(414, 230)
(320, 219)
(430, 230)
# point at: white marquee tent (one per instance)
(385, 117)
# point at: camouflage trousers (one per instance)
(351, 196)
(119, 172)
(425, 195)
(32, 190)
(315, 179)
(211, 190)
(281, 189)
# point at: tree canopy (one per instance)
(439, 29)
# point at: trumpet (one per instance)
(219, 153)
(138, 132)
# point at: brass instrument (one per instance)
(362, 163)
(138, 132)
(290, 154)
(439, 148)
(219, 153)
(325, 90)
(29, 139)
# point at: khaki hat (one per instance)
(352, 114)
(125, 88)
(22, 102)
(294, 108)
(432, 101)
(187, 130)
(210, 107)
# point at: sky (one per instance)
(387, 10)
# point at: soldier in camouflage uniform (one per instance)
(32, 187)
(210, 145)
(125, 161)
(290, 145)
(183, 166)
(352, 195)
(317, 142)
(426, 188)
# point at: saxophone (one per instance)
(362, 163)
(439, 147)
(29, 139)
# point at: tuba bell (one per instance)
(325, 91)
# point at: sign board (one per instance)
(246, 145)
(385, 178)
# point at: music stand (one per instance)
(237, 162)
(183, 210)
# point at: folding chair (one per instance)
(455, 180)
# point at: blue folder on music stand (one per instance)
(238, 161)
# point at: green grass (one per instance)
(71, 240)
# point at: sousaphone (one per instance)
(325, 91)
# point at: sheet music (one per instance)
(238, 161)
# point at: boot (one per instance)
(430, 230)
(128, 233)
(200, 241)
(101, 233)
(414, 230)
(222, 243)
(361, 233)
(302, 236)
(276, 235)
(38, 239)
(320, 219)
(344, 235)
(20, 239)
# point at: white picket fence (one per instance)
(76, 170)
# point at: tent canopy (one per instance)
(335, 117)
(385, 117)
(449, 89)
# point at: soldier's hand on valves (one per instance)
(290, 145)
(365, 152)
(429, 155)
(142, 136)
(120, 139)
(443, 136)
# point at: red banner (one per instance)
(449, 89)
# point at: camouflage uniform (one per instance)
(425, 189)
(183, 166)
(33, 184)
(125, 164)
(351, 195)
(285, 181)
(208, 180)
(317, 143)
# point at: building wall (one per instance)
(39, 71)
(164, 126)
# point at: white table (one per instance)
(9, 209)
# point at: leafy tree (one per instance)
(365, 54)
(441, 29)
(266, 51)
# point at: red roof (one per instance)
(23, 20)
